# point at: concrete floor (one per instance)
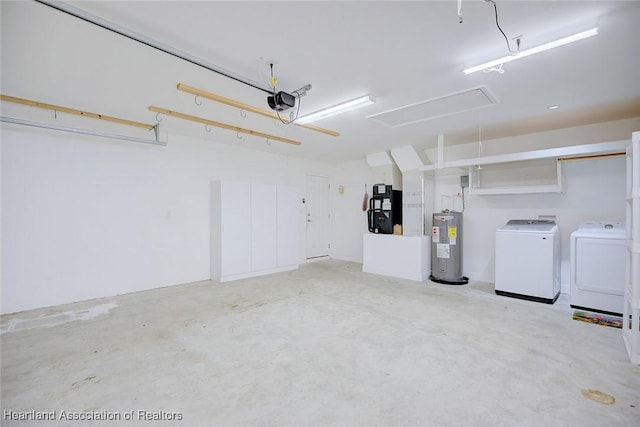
(326, 345)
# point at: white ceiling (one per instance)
(400, 52)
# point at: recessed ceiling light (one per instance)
(554, 107)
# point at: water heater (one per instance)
(446, 248)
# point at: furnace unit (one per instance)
(385, 209)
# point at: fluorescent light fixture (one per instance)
(533, 50)
(362, 101)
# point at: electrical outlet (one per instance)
(464, 181)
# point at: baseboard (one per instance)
(249, 274)
(346, 258)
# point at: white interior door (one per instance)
(317, 216)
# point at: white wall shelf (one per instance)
(603, 148)
(560, 152)
(557, 187)
(529, 189)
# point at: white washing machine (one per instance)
(598, 259)
(528, 260)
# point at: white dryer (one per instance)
(528, 260)
(598, 257)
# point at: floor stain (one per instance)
(598, 396)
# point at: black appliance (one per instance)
(385, 209)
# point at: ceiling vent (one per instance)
(447, 105)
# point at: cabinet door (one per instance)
(235, 228)
(288, 223)
(263, 226)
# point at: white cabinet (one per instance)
(287, 227)
(263, 227)
(254, 229)
(230, 214)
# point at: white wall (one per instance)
(85, 217)
(348, 221)
(594, 190)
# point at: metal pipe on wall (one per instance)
(83, 131)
